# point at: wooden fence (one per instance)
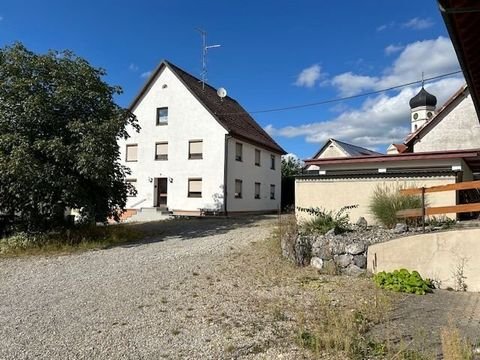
(424, 211)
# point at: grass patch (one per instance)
(454, 347)
(68, 241)
(387, 200)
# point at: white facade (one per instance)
(457, 128)
(249, 174)
(189, 119)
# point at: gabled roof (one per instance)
(228, 112)
(349, 149)
(410, 140)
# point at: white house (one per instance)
(197, 152)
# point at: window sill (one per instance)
(131, 160)
(162, 124)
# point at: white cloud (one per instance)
(433, 57)
(133, 67)
(386, 26)
(379, 121)
(145, 74)
(418, 23)
(392, 49)
(308, 77)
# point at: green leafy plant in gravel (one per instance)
(403, 281)
(325, 220)
(387, 200)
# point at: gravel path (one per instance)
(173, 296)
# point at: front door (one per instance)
(161, 184)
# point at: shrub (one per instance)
(324, 220)
(387, 200)
(403, 281)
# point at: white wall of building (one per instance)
(458, 129)
(187, 120)
(249, 173)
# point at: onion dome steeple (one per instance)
(423, 98)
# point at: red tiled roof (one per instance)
(227, 111)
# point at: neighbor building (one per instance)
(197, 152)
(442, 148)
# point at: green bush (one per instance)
(403, 281)
(387, 200)
(324, 220)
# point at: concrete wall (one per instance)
(436, 256)
(333, 194)
(459, 128)
(187, 120)
(249, 173)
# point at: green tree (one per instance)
(59, 127)
(291, 165)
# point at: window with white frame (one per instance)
(161, 151)
(132, 187)
(272, 192)
(162, 116)
(238, 151)
(272, 162)
(257, 157)
(132, 152)
(238, 189)
(195, 187)
(195, 149)
(257, 190)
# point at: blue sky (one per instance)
(273, 54)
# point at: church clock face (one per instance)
(415, 116)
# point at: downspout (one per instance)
(225, 176)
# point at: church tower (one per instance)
(422, 106)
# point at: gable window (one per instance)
(272, 192)
(195, 149)
(238, 151)
(257, 190)
(257, 157)
(162, 116)
(195, 188)
(238, 189)
(272, 162)
(132, 153)
(132, 191)
(161, 151)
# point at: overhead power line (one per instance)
(329, 101)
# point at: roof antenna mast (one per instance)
(205, 48)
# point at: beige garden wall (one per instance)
(333, 194)
(438, 256)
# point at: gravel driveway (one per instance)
(176, 296)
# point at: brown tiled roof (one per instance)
(228, 112)
(462, 18)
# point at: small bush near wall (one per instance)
(324, 220)
(403, 281)
(387, 200)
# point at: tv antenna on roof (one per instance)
(205, 48)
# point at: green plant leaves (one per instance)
(403, 281)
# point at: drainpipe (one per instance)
(225, 176)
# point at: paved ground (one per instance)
(420, 319)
